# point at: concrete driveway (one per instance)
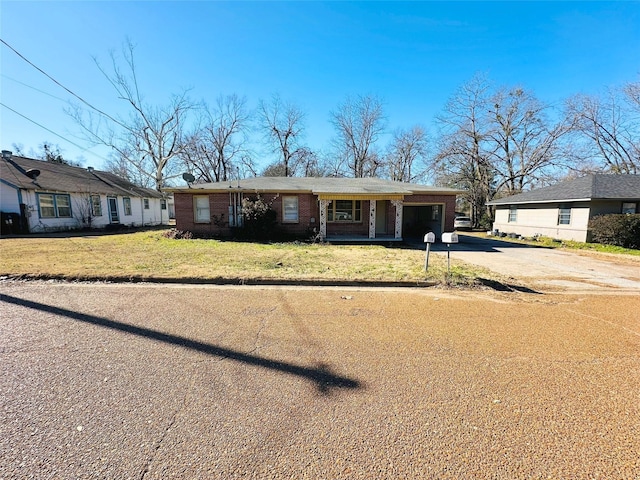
(546, 268)
(158, 382)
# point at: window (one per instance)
(54, 205)
(163, 204)
(564, 216)
(513, 214)
(126, 201)
(146, 204)
(629, 208)
(290, 209)
(96, 206)
(344, 211)
(201, 205)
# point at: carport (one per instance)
(423, 218)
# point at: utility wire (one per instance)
(33, 88)
(52, 132)
(62, 86)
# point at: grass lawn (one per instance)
(149, 255)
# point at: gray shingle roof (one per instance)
(56, 177)
(596, 186)
(323, 185)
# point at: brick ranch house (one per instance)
(348, 209)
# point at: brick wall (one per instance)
(308, 210)
(308, 214)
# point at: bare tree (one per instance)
(524, 146)
(359, 121)
(464, 148)
(47, 151)
(216, 149)
(606, 130)
(283, 124)
(632, 92)
(121, 166)
(150, 138)
(407, 148)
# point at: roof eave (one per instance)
(521, 202)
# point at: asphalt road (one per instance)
(546, 268)
(150, 382)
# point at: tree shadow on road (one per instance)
(505, 287)
(322, 376)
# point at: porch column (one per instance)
(372, 219)
(323, 218)
(398, 204)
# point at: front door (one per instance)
(113, 210)
(381, 217)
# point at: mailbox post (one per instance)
(429, 238)
(449, 238)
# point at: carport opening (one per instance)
(420, 219)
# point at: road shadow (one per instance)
(321, 375)
(505, 287)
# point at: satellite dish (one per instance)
(187, 177)
(33, 173)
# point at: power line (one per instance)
(33, 88)
(54, 133)
(62, 86)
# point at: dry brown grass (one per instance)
(150, 255)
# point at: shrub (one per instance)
(176, 234)
(622, 230)
(486, 221)
(259, 219)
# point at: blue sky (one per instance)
(413, 55)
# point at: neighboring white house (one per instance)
(563, 210)
(38, 196)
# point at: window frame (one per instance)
(145, 202)
(356, 212)
(435, 213)
(56, 199)
(126, 203)
(564, 217)
(513, 214)
(196, 218)
(96, 207)
(629, 208)
(163, 204)
(286, 198)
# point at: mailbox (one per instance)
(450, 237)
(430, 237)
